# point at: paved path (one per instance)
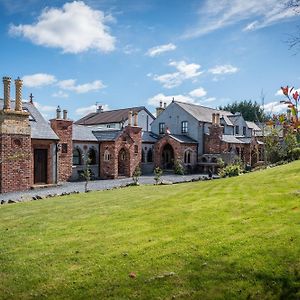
(96, 185)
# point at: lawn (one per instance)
(235, 238)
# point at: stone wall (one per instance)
(63, 128)
(213, 142)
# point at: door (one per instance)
(40, 165)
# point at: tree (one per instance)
(251, 111)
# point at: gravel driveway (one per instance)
(96, 185)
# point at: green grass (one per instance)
(236, 238)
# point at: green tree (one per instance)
(250, 110)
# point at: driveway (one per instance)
(95, 185)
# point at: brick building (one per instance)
(34, 151)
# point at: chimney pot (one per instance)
(99, 109)
(18, 87)
(213, 119)
(58, 112)
(160, 104)
(65, 114)
(135, 117)
(165, 105)
(6, 83)
(129, 118)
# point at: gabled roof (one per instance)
(253, 126)
(40, 128)
(149, 137)
(107, 136)
(203, 113)
(231, 139)
(110, 116)
(83, 133)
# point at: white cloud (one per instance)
(223, 69)
(200, 92)
(38, 79)
(81, 111)
(60, 94)
(275, 107)
(217, 14)
(70, 85)
(74, 28)
(155, 51)
(45, 108)
(155, 100)
(184, 71)
(130, 49)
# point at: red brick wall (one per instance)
(213, 143)
(16, 162)
(63, 128)
(130, 137)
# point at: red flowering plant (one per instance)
(292, 101)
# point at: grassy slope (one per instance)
(230, 238)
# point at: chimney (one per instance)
(99, 109)
(129, 118)
(58, 112)
(218, 119)
(160, 109)
(165, 105)
(213, 119)
(65, 114)
(18, 85)
(6, 82)
(135, 118)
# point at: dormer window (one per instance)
(184, 127)
(244, 130)
(237, 130)
(161, 128)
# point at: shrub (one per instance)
(178, 168)
(230, 170)
(295, 153)
(136, 175)
(157, 174)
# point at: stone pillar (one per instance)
(6, 82)
(129, 118)
(135, 118)
(18, 85)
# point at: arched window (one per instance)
(106, 155)
(204, 159)
(76, 157)
(143, 156)
(92, 156)
(187, 157)
(150, 156)
(214, 160)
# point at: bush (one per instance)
(230, 170)
(178, 168)
(295, 153)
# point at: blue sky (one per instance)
(131, 53)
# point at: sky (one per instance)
(125, 53)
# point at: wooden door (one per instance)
(40, 165)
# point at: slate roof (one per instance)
(149, 137)
(83, 133)
(231, 139)
(183, 139)
(253, 126)
(203, 113)
(107, 135)
(40, 128)
(110, 116)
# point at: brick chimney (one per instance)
(213, 142)
(6, 83)
(18, 99)
(64, 129)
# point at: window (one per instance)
(244, 130)
(106, 155)
(184, 127)
(150, 156)
(143, 156)
(187, 157)
(64, 148)
(161, 128)
(92, 157)
(76, 157)
(237, 130)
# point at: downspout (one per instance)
(56, 162)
